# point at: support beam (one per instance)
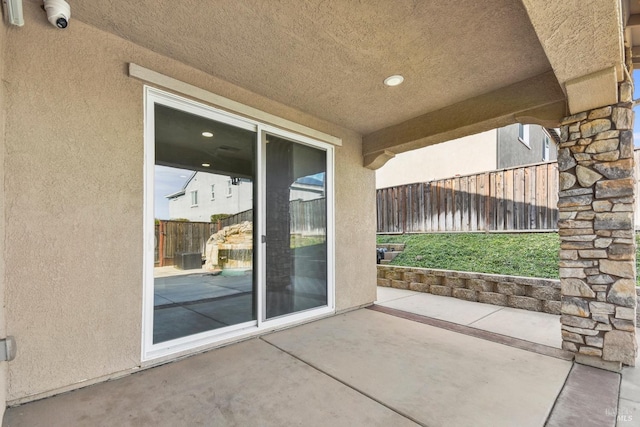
(378, 159)
(540, 94)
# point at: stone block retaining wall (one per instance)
(509, 291)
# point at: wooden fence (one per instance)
(308, 217)
(237, 218)
(173, 237)
(523, 198)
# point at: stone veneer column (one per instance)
(597, 239)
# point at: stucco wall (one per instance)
(3, 365)
(74, 195)
(512, 152)
(463, 156)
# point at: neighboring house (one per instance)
(267, 92)
(205, 194)
(509, 146)
(519, 145)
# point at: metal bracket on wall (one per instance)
(7, 349)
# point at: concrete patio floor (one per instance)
(362, 368)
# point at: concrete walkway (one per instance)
(541, 328)
(362, 368)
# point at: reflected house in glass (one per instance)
(205, 194)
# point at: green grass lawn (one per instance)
(530, 255)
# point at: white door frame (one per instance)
(209, 339)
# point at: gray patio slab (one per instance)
(246, 384)
(589, 399)
(443, 308)
(533, 326)
(433, 376)
(390, 294)
(540, 328)
(629, 406)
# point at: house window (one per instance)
(545, 149)
(523, 134)
(194, 198)
(213, 191)
(229, 188)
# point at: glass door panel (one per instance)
(296, 227)
(204, 215)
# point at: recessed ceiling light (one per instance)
(394, 80)
(207, 134)
(206, 165)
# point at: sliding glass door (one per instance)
(239, 214)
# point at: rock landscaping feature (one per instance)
(597, 249)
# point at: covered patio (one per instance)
(295, 92)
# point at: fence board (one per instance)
(464, 194)
(491, 202)
(518, 199)
(426, 219)
(448, 196)
(498, 200)
(533, 206)
(483, 190)
(541, 195)
(457, 204)
(435, 206)
(442, 208)
(473, 207)
(416, 220)
(508, 199)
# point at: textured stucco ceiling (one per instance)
(329, 58)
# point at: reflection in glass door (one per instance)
(296, 227)
(204, 216)
(206, 279)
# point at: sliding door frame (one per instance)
(167, 350)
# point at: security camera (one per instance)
(58, 12)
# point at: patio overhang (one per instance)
(468, 66)
(584, 46)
